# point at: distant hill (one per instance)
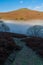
(22, 14)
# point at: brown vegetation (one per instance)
(15, 35)
(22, 14)
(36, 44)
(7, 45)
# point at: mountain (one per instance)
(21, 14)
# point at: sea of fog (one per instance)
(21, 26)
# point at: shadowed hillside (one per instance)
(22, 14)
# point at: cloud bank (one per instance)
(37, 8)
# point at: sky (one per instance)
(10, 5)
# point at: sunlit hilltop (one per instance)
(21, 14)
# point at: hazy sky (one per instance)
(9, 5)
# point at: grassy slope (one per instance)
(22, 14)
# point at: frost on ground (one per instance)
(27, 56)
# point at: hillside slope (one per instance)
(22, 14)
